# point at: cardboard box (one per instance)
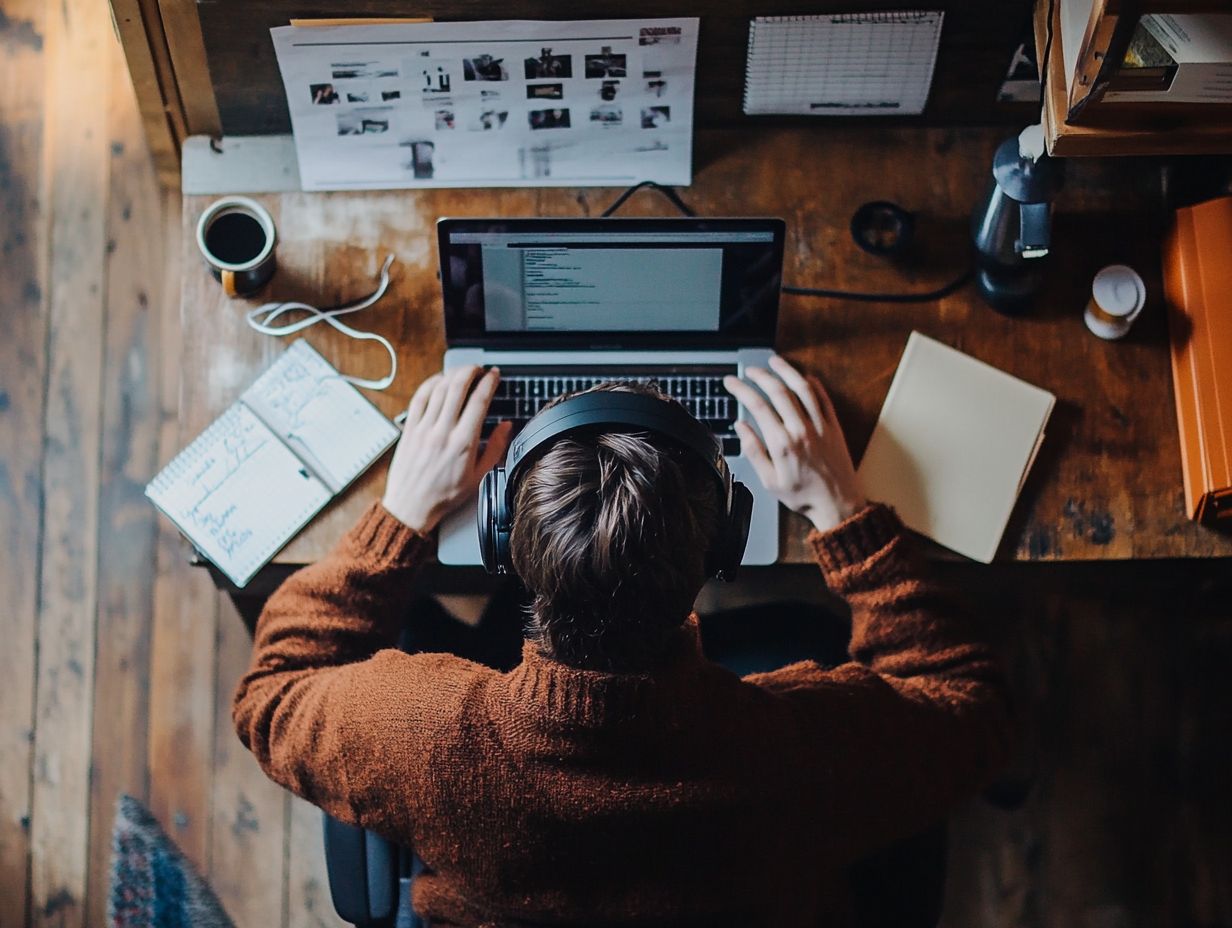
(1177, 59)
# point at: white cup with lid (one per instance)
(1117, 297)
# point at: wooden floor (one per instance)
(117, 660)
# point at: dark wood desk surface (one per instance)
(1107, 482)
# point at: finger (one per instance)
(767, 419)
(436, 398)
(794, 417)
(801, 388)
(827, 404)
(419, 402)
(460, 380)
(470, 423)
(752, 448)
(498, 444)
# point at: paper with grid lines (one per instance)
(842, 64)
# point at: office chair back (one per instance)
(370, 878)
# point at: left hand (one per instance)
(437, 464)
(801, 456)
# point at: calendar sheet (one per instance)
(842, 64)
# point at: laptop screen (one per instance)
(620, 283)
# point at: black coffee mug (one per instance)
(236, 236)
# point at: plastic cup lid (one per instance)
(1118, 290)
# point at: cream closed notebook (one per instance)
(953, 445)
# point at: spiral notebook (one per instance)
(295, 439)
(842, 64)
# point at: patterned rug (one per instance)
(152, 884)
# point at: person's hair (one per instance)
(610, 536)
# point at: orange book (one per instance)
(1198, 290)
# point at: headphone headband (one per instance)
(612, 409)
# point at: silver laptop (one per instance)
(561, 304)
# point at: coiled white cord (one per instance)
(261, 318)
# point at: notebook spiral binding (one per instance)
(897, 16)
(845, 19)
(177, 466)
(744, 100)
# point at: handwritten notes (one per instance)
(311, 407)
(236, 491)
(255, 477)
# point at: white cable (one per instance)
(261, 317)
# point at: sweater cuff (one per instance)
(856, 539)
(379, 537)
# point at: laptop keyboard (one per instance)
(523, 391)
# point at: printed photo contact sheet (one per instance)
(491, 104)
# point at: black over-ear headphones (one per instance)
(609, 410)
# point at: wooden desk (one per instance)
(1107, 483)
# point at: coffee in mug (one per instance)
(236, 236)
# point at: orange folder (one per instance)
(1198, 290)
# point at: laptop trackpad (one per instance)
(459, 539)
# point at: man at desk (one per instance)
(616, 776)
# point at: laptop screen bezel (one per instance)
(611, 340)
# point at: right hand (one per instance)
(803, 459)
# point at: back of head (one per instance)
(610, 535)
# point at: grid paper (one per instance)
(852, 64)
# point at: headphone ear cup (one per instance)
(735, 533)
(494, 523)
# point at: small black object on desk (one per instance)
(882, 228)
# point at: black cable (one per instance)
(666, 191)
(924, 297)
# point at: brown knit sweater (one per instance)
(682, 796)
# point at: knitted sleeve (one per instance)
(318, 701)
(919, 718)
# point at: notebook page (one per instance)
(952, 446)
(238, 493)
(842, 64)
(320, 416)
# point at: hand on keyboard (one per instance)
(801, 456)
(438, 462)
